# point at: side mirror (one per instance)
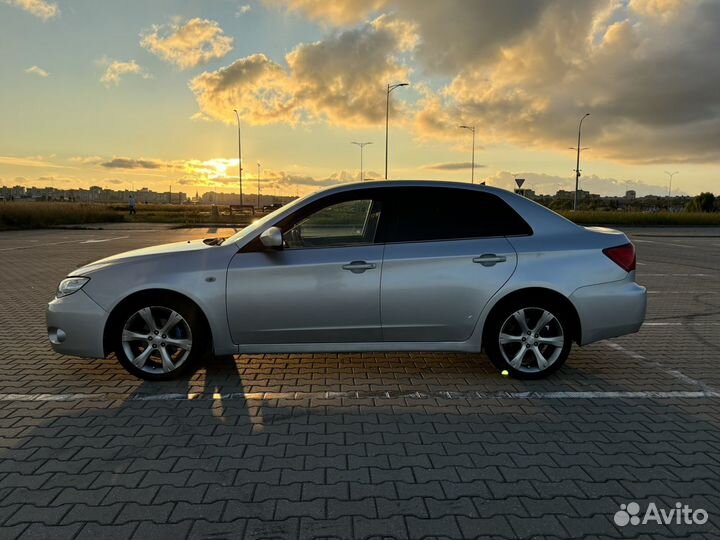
(272, 238)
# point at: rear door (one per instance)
(445, 256)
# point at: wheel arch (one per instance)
(114, 316)
(537, 293)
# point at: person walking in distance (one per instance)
(131, 204)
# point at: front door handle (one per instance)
(358, 267)
(489, 259)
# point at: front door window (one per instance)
(343, 224)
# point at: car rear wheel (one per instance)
(529, 339)
(159, 339)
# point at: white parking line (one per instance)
(40, 245)
(707, 323)
(103, 240)
(683, 292)
(468, 395)
(665, 243)
(705, 388)
(677, 275)
(91, 240)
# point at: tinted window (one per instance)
(423, 214)
(341, 224)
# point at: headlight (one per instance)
(71, 285)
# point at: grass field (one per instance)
(42, 215)
(38, 215)
(647, 219)
(182, 214)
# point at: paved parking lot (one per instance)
(384, 446)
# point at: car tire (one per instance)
(532, 350)
(159, 337)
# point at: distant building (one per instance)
(565, 194)
(630, 194)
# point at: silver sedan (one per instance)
(377, 266)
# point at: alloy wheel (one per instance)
(157, 339)
(531, 339)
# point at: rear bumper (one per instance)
(75, 325)
(610, 309)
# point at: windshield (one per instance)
(258, 225)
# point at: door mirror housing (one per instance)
(272, 238)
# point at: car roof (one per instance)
(540, 218)
(407, 183)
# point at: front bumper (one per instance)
(75, 325)
(610, 309)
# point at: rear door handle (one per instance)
(489, 259)
(358, 267)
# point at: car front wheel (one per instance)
(159, 340)
(529, 339)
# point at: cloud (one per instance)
(242, 10)
(340, 79)
(200, 117)
(657, 8)
(454, 32)
(650, 86)
(32, 161)
(130, 163)
(453, 166)
(647, 71)
(86, 160)
(116, 69)
(34, 70)
(187, 45)
(40, 8)
(335, 11)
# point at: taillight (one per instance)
(623, 256)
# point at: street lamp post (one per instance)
(258, 183)
(390, 88)
(239, 157)
(472, 164)
(361, 145)
(670, 174)
(577, 164)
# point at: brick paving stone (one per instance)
(331, 528)
(157, 513)
(257, 529)
(393, 527)
(94, 531)
(438, 527)
(104, 514)
(14, 532)
(233, 530)
(39, 531)
(28, 513)
(149, 530)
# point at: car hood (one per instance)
(143, 253)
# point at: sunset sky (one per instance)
(141, 93)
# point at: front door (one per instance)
(322, 287)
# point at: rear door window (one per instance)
(421, 214)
